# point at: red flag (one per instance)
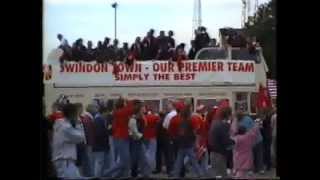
(263, 99)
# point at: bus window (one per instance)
(154, 105)
(253, 102)
(165, 102)
(209, 103)
(241, 101)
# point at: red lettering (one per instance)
(171, 67)
(213, 66)
(83, 68)
(120, 67)
(235, 67)
(176, 77)
(249, 67)
(184, 76)
(89, 68)
(97, 67)
(146, 76)
(68, 68)
(77, 67)
(194, 66)
(163, 67)
(203, 66)
(193, 76)
(129, 68)
(241, 67)
(155, 67)
(188, 66)
(105, 69)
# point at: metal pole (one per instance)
(115, 22)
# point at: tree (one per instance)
(263, 26)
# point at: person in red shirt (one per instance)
(184, 128)
(202, 136)
(122, 113)
(149, 134)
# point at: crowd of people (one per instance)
(125, 138)
(150, 47)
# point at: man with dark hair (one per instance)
(90, 52)
(115, 51)
(78, 50)
(99, 53)
(221, 142)
(162, 46)
(124, 51)
(192, 51)
(106, 50)
(150, 46)
(171, 40)
(64, 45)
(202, 39)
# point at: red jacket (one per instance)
(89, 128)
(56, 116)
(121, 120)
(151, 121)
(176, 121)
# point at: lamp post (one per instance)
(115, 5)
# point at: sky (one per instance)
(94, 19)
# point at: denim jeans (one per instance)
(66, 169)
(114, 156)
(204, 162)
(179, 163)
(139, 159)
(121, 168)
(258, 157)
(219, 164)
(87, 164)
(151, 149)
(101, 160)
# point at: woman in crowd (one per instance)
(246, 121)
(67, 134)
(244, 141)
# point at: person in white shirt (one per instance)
(172, 112)
(67, 134)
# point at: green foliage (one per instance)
(263, 26)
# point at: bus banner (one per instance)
(154, 73)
